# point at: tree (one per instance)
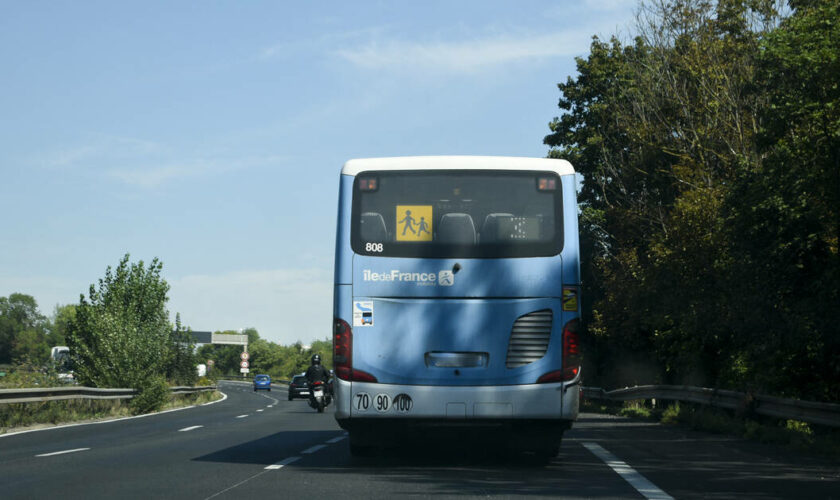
(325, 349)
(710, 204)
(121, 335)
(23, 330)
(63, 316)
(182, 360)
(660, 128)
(784, 213)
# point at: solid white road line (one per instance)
(274, 401)
(187, 429)
(335, 440)
(280, 464)
(313, 449)
(636, 480)
(242, 416)
(61, 452)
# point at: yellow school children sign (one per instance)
(414, 223)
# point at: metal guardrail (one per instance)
(35, 395)
(794, 409)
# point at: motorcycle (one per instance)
(318, 398)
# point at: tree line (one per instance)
(281, 362)
(709, 150)
(26, 335)
(120, 335)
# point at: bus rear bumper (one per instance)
(472, 405)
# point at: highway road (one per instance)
(259, 445)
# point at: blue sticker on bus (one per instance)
(363, 313)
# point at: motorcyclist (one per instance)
(316, 372)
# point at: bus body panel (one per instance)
(343, 253)
(432, 163)
(558, 401)
(571, 241)
(449, 342)
(484, 278)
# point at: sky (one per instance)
(211, 134)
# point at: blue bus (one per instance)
(456, 300)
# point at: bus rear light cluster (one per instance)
(343, 354)
(571, 356)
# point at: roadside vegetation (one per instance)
(791, 434)
(120, 336)
(709, 151)
(281, 362)
(18, 416)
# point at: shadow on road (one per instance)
(269, 449)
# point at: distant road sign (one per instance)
(244, 370)
(244, 356)
(244, 364)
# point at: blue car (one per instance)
(262, 382)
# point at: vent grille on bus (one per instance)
(529, 338)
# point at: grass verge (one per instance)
(22, 416)
(792, 434)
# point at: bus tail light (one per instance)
(571, 356)
(342, 349)
(343, 354)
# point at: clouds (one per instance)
(284, 305)
(146, 165)
(156, 175)
(461, 46)
(464, 56)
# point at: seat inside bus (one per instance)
(456, 228)
(373, 228)
(490, 229)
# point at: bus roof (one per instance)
(354, 167)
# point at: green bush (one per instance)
(29, 375)
(671, 415)
(153, 394)
(121, 335)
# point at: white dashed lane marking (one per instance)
(61, 452)
(187, 429)
(280, 464)
(636, 480)
(242, 416)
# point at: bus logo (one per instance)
(446, 278)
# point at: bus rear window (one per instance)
(446, 214)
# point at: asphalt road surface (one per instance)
(259, 445)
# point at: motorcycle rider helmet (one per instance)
(316, 359)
